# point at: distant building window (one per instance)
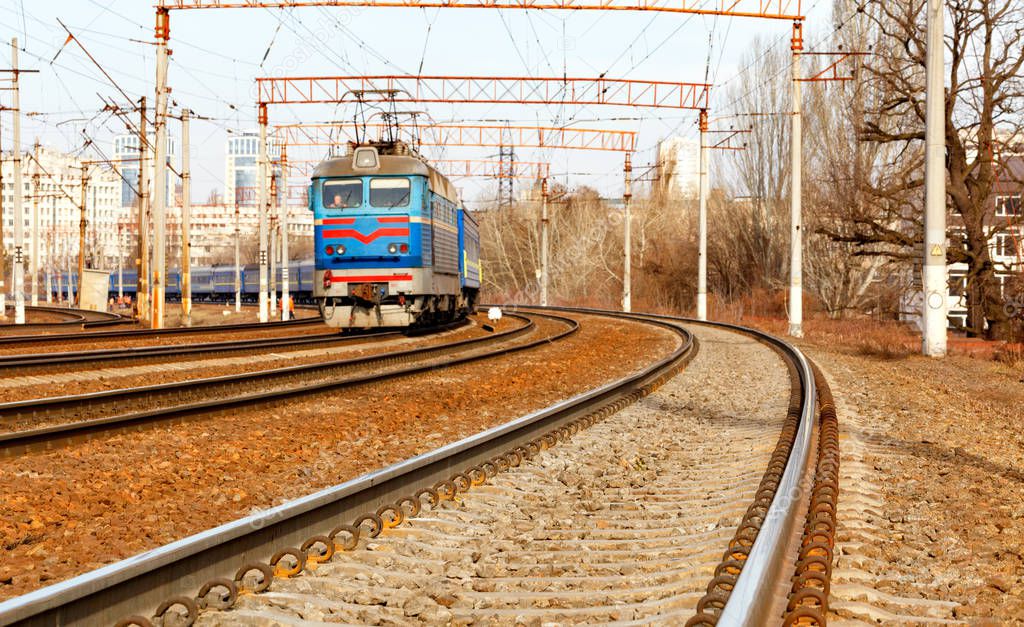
(1005, 245)
(958, 284)
(1009, 206)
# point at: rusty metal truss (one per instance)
(246, 196)
(830, 72)
(768, 9)
(482, 89)
(455, 168)
(471, 135)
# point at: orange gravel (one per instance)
(73, 510)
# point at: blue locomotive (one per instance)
(393, 245)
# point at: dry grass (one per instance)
(1010, 354)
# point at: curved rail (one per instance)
(133, 333)
(45, 438)
(74, 317)
(754, 595)
(142, 583)
(97, 356)
(32, 363)
(384, 498)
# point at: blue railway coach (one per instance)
(393, 246)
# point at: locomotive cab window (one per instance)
(343, 194)
(390, 192)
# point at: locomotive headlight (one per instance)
(365, 158)
(393, 249)
(341, 249)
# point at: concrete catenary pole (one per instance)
(19, 209)
(186, 222)
(627, 252)
(796, 293)
(160, 170)
(286, 297)
(702, 222)
(142, 263)
(545, 252)
(67, 264)
(34, 255)
(261, 199)
(3, 248)
(933, 272)
(51, 257)
(82, 223)
(273, 244)
(238, 260)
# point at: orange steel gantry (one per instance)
(481, 89)
(452, 168)
(770, 9)
(469, 135)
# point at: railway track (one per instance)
(42, 424)
(26, 364)
(64, 339)
(82, 318)
(508, 466)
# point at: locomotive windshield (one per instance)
(386, 193)
(343, 193)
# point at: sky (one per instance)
(217, 54)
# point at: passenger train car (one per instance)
(393, 246)
(212, 284)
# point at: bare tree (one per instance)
(982, 105)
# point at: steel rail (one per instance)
(133, 333)
(34, 363)
(139, 584)
(74, 317)
(758, 596)
(46, 438)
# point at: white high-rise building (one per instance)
(52, 193)
(126, 156)
(240, 176)
(678, 167)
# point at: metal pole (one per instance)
(796, 313)
(238, 258)
(58, 274)
(34, 255)
(120, 264)
(261, 199)
(81, 228)
(545, 246)
(933, 272)
(67, 263)
(160, 170)
(19, 209)
(51, 258)
(186, 223)
(627, 271)
(286, 298)
(273, 244)
(702, 222)
(142, 263)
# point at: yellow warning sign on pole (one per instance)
(936, 250)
